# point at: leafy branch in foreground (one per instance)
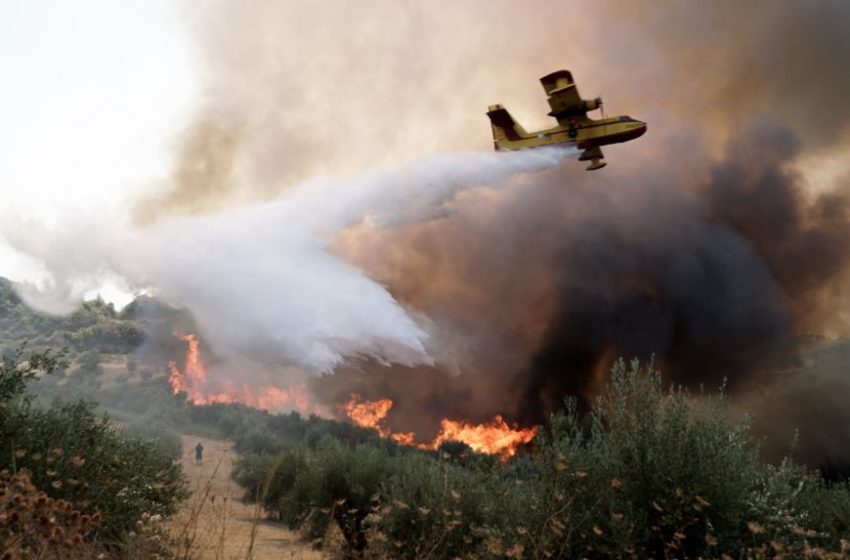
(70, 453)
(16, 372)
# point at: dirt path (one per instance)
(216, 522)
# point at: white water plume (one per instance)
(259, 278)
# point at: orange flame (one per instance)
(369, 414)
(495, 438)
(193, 381)
(193, 377)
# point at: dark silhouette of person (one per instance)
(199, 453)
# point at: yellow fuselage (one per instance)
(585, 133)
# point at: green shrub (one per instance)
(337, 486)
(159, 434)
(267, 479)
(90, 361)
(256, 438)
(75, 455)
(648, 473)
(437, 509)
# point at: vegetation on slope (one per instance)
(67, 454)
(648, 473)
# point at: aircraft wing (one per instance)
(564, 99)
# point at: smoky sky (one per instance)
(781, 60)
(298, 89)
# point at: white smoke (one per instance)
(259, 279)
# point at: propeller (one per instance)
(602, 108)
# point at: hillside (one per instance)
(645, 472)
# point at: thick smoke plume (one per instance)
(547, 284)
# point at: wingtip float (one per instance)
(574, 126)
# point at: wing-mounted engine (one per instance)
(591, 104)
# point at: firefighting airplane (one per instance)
(574, 126)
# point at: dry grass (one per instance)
(214, 524)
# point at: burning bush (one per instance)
(495, 437)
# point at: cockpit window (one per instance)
(625, 119)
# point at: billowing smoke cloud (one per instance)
(310, 90)
(701, 244)
(259, 279)
(712, 253)
(802, 237)
(543, 286)
(808, 405)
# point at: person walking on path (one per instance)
(199, 453)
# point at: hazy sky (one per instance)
(93, 92)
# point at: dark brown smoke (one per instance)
(803, 238)
(716, 290)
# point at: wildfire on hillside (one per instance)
(192, 380)
(193, 377)
(495, 437)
